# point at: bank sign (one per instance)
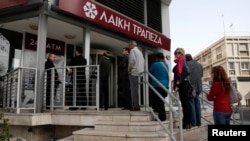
(52, 45)
(104, 16)
(11, 3)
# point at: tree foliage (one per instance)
(4, 128)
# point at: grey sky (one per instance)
(196, 24)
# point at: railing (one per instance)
(177, 112)
(71, 87)
(172, 111)
(19, 90)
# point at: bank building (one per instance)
(30, 30)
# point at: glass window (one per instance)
(4, 54)
(231, 65)
(245, 65)
(17, 58)
(204, 59)
(243, 47)
(218, 50)
(10, 50)
(218, 53)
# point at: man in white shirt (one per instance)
(135, 67)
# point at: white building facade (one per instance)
(231, 52)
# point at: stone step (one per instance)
(90, 134)
(137, 126)
(70, 138)
(88, 118)
(134, 126)
(127, 127)
(195, 133)
(207, 115)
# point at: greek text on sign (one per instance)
(106, 17)
(126, 25)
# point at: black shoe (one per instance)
(83, 108)
(163, 119)
(187, 126)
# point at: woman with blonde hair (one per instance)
(181, 84)
(220, 95)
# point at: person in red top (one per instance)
(219, 94)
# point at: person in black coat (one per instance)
(123, 66)
(105, 67)
(80, 82)
(50, 64)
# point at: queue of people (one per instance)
(187, 72)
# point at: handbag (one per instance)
(235, 96)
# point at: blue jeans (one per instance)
(192, 112)
(196, 109)
(222, 118)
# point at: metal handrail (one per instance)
(172, 111)
(19, 86)
(87, 71)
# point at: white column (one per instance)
(166, 31)
(41, 51)
(165, 19)
(86, 44)
(86, 53)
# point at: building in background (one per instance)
(231, 52)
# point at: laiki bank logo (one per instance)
(90, 10)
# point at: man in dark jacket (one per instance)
(196, 74)
(80, 79)
(50, 64)
(105, 66)
(123, 66)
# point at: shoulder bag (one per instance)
(235, 96)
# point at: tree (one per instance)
(4, 128)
